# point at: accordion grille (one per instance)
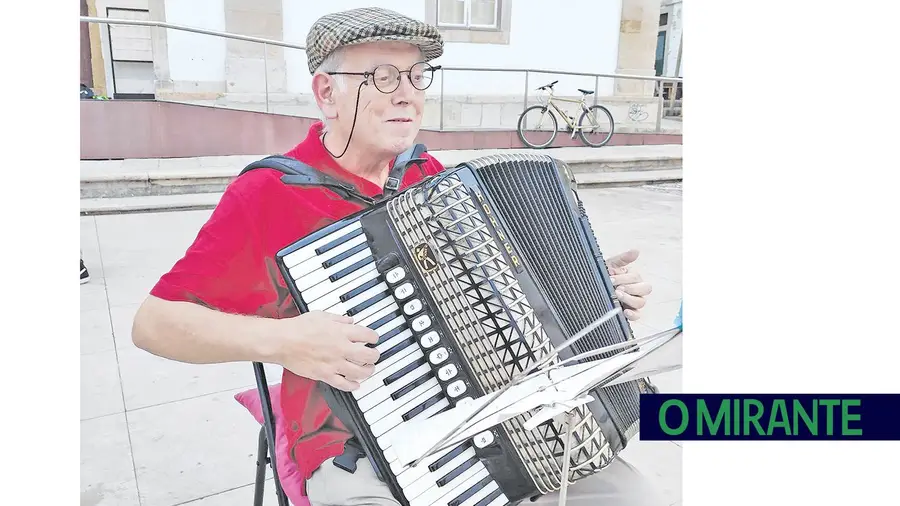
(493, 323)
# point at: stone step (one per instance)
(188, 176)
(637, 178)
(208, 200)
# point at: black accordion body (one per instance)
(469, 277)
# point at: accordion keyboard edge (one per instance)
(468, 278)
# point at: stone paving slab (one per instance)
(160, 433)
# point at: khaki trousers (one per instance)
(620, 484)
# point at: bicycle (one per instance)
(579, 129)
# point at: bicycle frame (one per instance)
(575, 124)
(551, 103)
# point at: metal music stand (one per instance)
(266, 442)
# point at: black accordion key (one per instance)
(372, 283)
(388, 335)
(362, 306)
(471, 491)
(490, 498)
(351, 269)
(385, 319)
(412, 385)
(441, 462)
(337, 242)
(456, 472)
(343, 256)
(412, 366)
(396, 349)
(422, 407)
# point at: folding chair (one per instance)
(266, 452)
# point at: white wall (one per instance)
(195, 56)
(570, 35)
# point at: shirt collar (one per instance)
(312, 151)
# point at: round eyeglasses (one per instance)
(386, 77)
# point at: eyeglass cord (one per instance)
(352, 127)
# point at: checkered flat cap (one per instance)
(369, 24)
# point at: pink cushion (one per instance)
(288, 473)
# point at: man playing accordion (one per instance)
(225, 300)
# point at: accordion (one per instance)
(469, 277)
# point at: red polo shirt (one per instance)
(231, 267)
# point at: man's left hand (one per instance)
(630, 288)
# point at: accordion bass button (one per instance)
(421, 323)
(447, 372)
(412, 307)
(395, 275)
(403, 291)
(430, 339)
(456, 388)
(437, 356)
(483, 439)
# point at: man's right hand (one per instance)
(327, 347)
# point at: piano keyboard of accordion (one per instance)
(469, 277)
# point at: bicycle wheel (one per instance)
(537, 126)
(601, 125)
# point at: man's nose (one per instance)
(404, 92)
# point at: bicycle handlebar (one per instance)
(547, 85)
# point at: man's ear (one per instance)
(324, 89)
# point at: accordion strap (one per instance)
(402, 163)
(297, 173)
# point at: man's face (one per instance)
(386, 122)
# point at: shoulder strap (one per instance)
(297, 173)
(300, 174)
(406, 159)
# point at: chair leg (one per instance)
(269, 429)
(262, 460)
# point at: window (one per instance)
(468, 13)
(660, 63)
(472, 21)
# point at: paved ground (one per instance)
(160, 433)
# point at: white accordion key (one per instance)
(322, 275)
(370, 401)
(436, 494)
(420, 485)
(384, 369)
(315, 263)
(393, 410)
(309, 250)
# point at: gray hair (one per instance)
(334, 63)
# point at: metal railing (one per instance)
(659, 81)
